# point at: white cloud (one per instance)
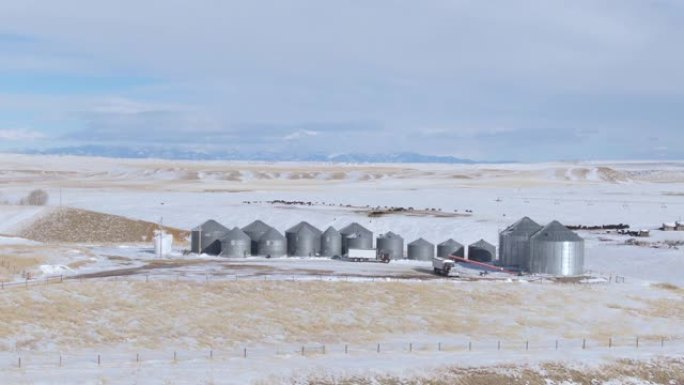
(20, 134)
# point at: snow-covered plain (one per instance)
(484, 199)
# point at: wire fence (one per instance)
(594, 278)
(616, 345)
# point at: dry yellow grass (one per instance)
(198, 314)
(661, 371)
(83, 226)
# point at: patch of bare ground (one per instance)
(660, 371)
(82, 226)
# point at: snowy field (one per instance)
(78, 300)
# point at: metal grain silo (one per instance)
(556, 250)
(272, 244)
(390, 244)
(206, 238)
(450, 247)
(256, 230)
(303, 240)
(481, 251)
(331, 243)
(514, 243)
(420, 250)
(236, 244)
(356, 236)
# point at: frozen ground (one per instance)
(486, 199)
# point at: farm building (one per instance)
(390, 244)
(236, 244)
(420, 250)
(206, 238)
(450, 247)
(355, 236)
(482, 251)
(556, 250)
(331, 243)
(303, 240)
(272, 244)
(514, 243)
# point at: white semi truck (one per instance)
(365, 255)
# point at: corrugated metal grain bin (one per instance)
(206, 238)
(390, 244)
(272, 244)
(331, 243)
(556, 250)
(236, 244)
(482, 251)
(303, 240)
(420, 250)
(256, 230)
(355, 236)
(450, 247)
(514, 243)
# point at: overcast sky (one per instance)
(487, 80)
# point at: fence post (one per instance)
(527, 345)
(19, 362)
(137, 357)
(302, 350)
(470, 346)
(610, 342)
(498, 345)
(378, 350)
(637, 342)
(411, 347)
(60, 360)
(98, 360)
(61, 278)
(175, 356)
(662, 341)
(244, 353)
(439, 346)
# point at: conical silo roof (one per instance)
(210, 225)
(272, 235)
(331, 231)
(483, 244)
(420, 242)
(304, 226)
(450, 242)
(355, 228)
(390, 234)
(524, 226)
(256, 229)
(236, 234)
(556, 232)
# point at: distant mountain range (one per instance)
(178, 154)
